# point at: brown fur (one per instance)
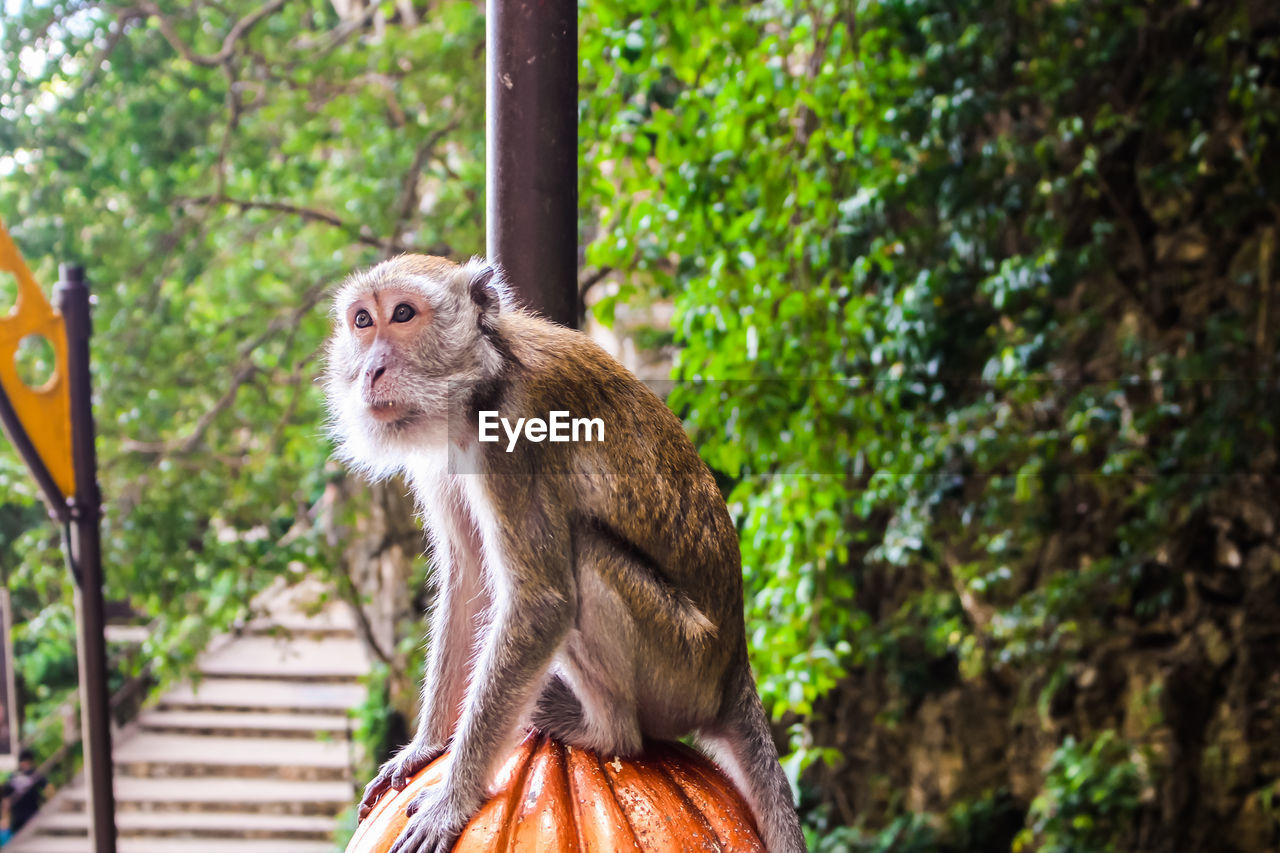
(592, 588)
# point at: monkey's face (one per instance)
(386, 327)
(406, 348)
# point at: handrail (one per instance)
(133, 685)
(53, 766)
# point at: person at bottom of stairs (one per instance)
(23, 792)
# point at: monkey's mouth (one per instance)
(389, 411)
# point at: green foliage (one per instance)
(347, 825)
(974, 316)
(213, 203)
(977, 826)
(973, 304)
(370, 732)
(1090, 794)
(874, 238)
(45, 653)
(907, 834)
(371, 727)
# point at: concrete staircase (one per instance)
(255, 757)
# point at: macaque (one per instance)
(591, 589)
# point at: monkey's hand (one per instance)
(436, 819)
(396, 773)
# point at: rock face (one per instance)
(1194, 691)
(256, 756)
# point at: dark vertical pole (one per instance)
(22, 443)
(86, 559)
(531, 182)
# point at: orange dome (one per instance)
(554, 797)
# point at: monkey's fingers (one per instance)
(372, 793)
(409, 762)
(433, 826)
(420, 837)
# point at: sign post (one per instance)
(85, 560)
(531, 151)
(8, 698)
(52, 429)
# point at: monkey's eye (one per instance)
(403, 313)
(363, 320)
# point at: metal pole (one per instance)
(86, 562)
(531, 180)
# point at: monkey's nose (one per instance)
(375, 373)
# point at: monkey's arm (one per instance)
(456, 601)
(533, 606)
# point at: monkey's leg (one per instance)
(589, 698)
(741, 743)
(642, 660)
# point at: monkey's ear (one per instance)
(487, 289)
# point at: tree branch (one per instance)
(339, 35)
(246, 371)
(123, 18)
(347, 585)
(210, 60)
(188, 445)
(589, 281)
(409, 184)
(310, 214)
(62, 15)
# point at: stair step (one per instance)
(134, 635)
(230, 694)
(246, 724)
(263, 657)
(306, 606)
(301, 628)
(244, 826)
(255, 758)
(73, 844)
(151, 755)
(215, 794)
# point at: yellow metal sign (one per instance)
(45, 412)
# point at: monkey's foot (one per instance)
(434, 824)
(395, 774)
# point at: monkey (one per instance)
(591, 590)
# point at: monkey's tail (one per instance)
(742, 744)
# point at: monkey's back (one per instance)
(644, 483)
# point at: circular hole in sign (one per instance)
(35, 360)
(8, 292)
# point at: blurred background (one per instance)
(971, 307)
